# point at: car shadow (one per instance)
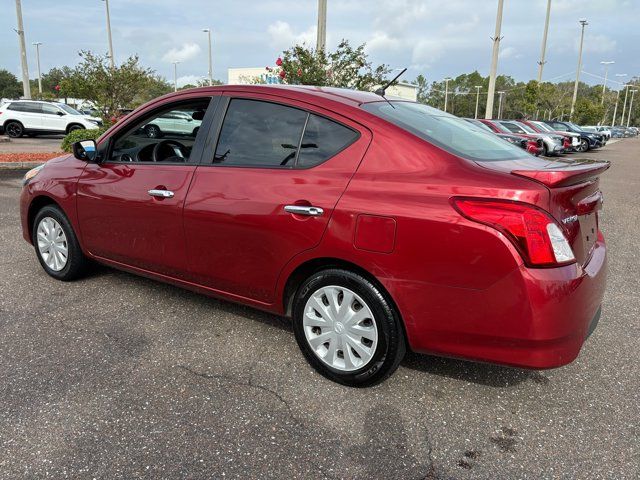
(467, 371)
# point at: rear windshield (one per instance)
(446, 131)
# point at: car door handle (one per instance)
(304, 210)
(160, 193)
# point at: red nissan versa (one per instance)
(375, 225)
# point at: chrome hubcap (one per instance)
(52, 244)
(340, 328)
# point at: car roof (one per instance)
(342, 95)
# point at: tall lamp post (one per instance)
(478, 87)
(208, 32)
(584, 23)
(321, 39)
(446, 92)
(37, 45)
(633, 92)
(111, 59)
(494, 62)
(606, 71)
(544, 42)
(615, 109)
(26, 87)
(175, 76)
(624, 104)
(501, 94)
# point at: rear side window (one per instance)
(450, 133)
(25, 107)
(322, 139)
(259, 134)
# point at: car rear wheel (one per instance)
(56, 245)
(347, 329)
(14, 129)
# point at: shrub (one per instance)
(79, 135)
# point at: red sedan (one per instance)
(375, 225)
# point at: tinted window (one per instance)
(512, 127)
(322, 139)
(25, 107)
(260, 134)
(49, 109)
(446, 131)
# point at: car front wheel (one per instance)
(584, 145)
(347, 328)
(56, 245)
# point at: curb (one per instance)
(19, 165)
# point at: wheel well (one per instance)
(304, 271)
(10, 121)
(36, 205)
(75, 124)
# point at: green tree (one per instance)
(346, 67)
(9, 85)
(124, 86)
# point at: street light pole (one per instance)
(478, 87)
(321, 39)
(501, 93)
(175, 76)
(615, 110)
(544, 42)
(37, 45)
(208, 32)
(633, 92)
(494, 62)
(111, 59)
(26, 87)
(446, 92)
(624, 104)
(584, 23)
(606, 71)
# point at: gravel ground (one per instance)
(117, 376)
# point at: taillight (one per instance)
(534, 233)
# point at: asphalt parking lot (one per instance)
(117, 376)
(41, 143)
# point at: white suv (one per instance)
(20, 117)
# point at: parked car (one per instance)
(535, 143)
(618, 132)
(376, 225)
(30, 117)
(173, 122)
(588, 140)
(606, 134)
(527, 144)
(570, 142)
(553, 144)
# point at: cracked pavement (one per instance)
(117, 376)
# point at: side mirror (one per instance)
(60, 114)
(85, 150)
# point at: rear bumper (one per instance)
(533, 318)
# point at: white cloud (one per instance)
(508, 52)
(182, 54)
(282, 36)
(597, 44)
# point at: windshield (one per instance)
(68, 109)
(446, 131)
(525, 127)
(543, 126)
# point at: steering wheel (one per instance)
(179, 151)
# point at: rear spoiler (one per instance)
(565, 177)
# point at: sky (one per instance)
(435, 38)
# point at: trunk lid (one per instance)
(574, 195)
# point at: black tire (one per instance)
(74, 127)
(14, 129)
(153, 131)
(545, 150)
(584, 146)
(77, 262)
(391, 347)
